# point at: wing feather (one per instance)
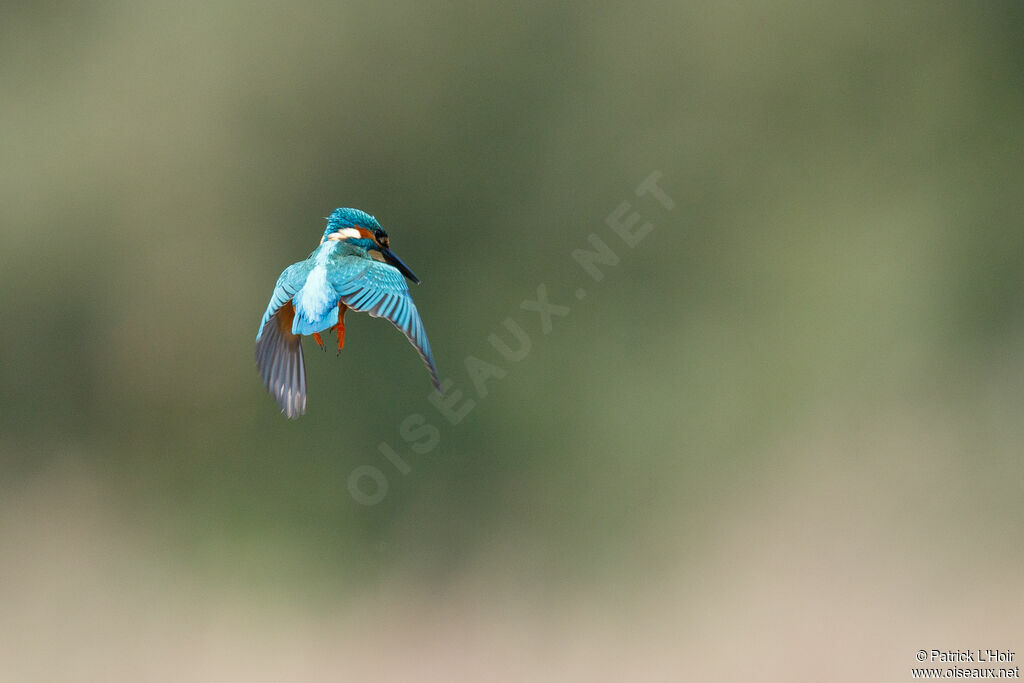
(278, 351)
(281, 365)
(380, 290)
(291, 281)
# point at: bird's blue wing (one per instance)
(278, 350)
(291, 281)
(380, 290)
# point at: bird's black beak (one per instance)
(389, 257)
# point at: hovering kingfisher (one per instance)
(353, 267)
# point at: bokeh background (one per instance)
(781, 440)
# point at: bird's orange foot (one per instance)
(339, 329)
(319, 341)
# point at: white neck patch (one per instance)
(343, 234)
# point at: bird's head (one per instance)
(360, 229)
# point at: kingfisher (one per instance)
(352, 268)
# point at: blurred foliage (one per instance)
(846, 245)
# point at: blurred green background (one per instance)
(790, 416)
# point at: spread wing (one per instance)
(278, 350)
(380, 290)
(291, 281)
